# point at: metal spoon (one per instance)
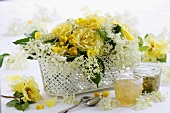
(94, 101)
(88, 102)
(81, 100)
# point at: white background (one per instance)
(153, 16)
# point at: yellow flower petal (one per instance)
(105, 93)
(55, 49)
(29, 21)
(13, 78)
(40, 106)
(96, 94)
(18, 87)
(127, 35)
(51, 102)
(37, 35)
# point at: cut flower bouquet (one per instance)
(91, 46)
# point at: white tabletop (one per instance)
(152, 16)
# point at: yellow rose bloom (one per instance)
(92, 21)
(157, 49)
(87, 38)
(62, 29)
(31, 91)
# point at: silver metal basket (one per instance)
(62, 81)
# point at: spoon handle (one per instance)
(66, 110)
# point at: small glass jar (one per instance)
(151, 73)
(127, 88)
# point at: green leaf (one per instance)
(21, 107)
(30, 57)
(33, 34)
(102, 34)
(96, 80)
(140, 41)
(25, 106)
(146, 35)
(143, 48)
(162, 59)
(117, 29)
(25, 40)
(2, 58)
(18, 106)
(12, 103)
(22, 41)
(101, 64)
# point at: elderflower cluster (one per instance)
(70, 99)
(165, 75)
(158, 96)
(17, 61)
(143, 103)
(107, 103)
(19, 27)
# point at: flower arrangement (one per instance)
(93, 45)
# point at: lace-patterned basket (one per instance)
(61, 81)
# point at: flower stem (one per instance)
(7, 96)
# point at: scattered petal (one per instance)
(40, 106)
(13, 78)
(51, 102)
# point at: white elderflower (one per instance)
(108, 103)
(158, 96)
(165, 75)
(70, 99)
(143, 103)
(17, 61)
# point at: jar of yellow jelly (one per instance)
(151, 73)
(127, 88)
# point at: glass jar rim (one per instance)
(148, 69)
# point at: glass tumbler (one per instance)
(151, 73)
(127, 88)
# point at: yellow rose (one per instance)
(92, 21)
(87, 38)
(62, 29)
(157, 49)
(31, 91)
